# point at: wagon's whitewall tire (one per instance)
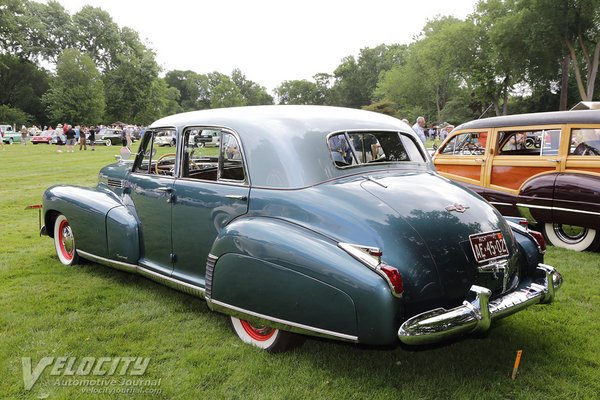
(269, 339)
(64, 241)
(108, 142)
(582, 239)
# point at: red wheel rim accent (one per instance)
(258, 334)
(61, 240)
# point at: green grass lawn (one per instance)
(48, 310)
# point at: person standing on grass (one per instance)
(23, 135)
(2, 138)
(70, 134)
(92, 137)
(83, 138)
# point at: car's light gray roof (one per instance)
(285, 146)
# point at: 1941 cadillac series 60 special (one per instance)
(314, 220)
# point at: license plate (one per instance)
(488, 246)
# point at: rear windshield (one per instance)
(356, 148)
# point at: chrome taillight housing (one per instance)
(371, 257)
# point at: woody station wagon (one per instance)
(310, 220)
(544, 167)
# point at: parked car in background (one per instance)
(108, 136)
(58, 137)
(315, 220)
(44, 137)
(10, 135)
(166, 138)
(207, 138)
(543, 166)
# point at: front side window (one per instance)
(585, 142)
(466, 144)
(355, 148)
(153, 157)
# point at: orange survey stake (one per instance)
(516, 366)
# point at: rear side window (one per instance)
(355, 148)
(529, 142)
(585, 142)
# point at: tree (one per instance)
(21, 86)
(299, 92)
(98, 35)
(356, 80)
(224, 92)
(253, 93)
(76, 95)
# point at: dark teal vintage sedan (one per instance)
(311, 220)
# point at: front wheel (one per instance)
(263, 337)
(64, 241)
(572, 237)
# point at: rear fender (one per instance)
(273, 270)
(101, 224)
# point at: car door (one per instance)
(151, 193)
(462, 158)
(209, 193)
(525, 159)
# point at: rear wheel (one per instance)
(64, 241)
(572, 237)
(263, 337)
(108, 142)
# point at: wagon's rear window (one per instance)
(354, 148)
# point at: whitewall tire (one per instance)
(269, 339)
(64, 241)
(571, 237)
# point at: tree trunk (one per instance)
(564, 84)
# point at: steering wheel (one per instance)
(156, 169)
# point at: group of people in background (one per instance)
(434, 132)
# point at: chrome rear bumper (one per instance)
(476, 315)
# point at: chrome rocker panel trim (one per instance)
(476, 315)
(155, 276)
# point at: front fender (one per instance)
(101, 224)
(283, 272)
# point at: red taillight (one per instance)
(539, 238)
(394, 278)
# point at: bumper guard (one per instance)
(476, 315)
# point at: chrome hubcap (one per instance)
(569, 233)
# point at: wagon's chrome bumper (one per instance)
(476, 315)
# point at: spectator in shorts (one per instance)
(70, 134)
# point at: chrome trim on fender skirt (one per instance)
(476, 315)
(272, 322)
(155, 276)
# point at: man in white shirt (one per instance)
(418, 128)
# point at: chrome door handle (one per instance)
(236, 197)
(553, 160)
(480, 160)
(168, 191)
